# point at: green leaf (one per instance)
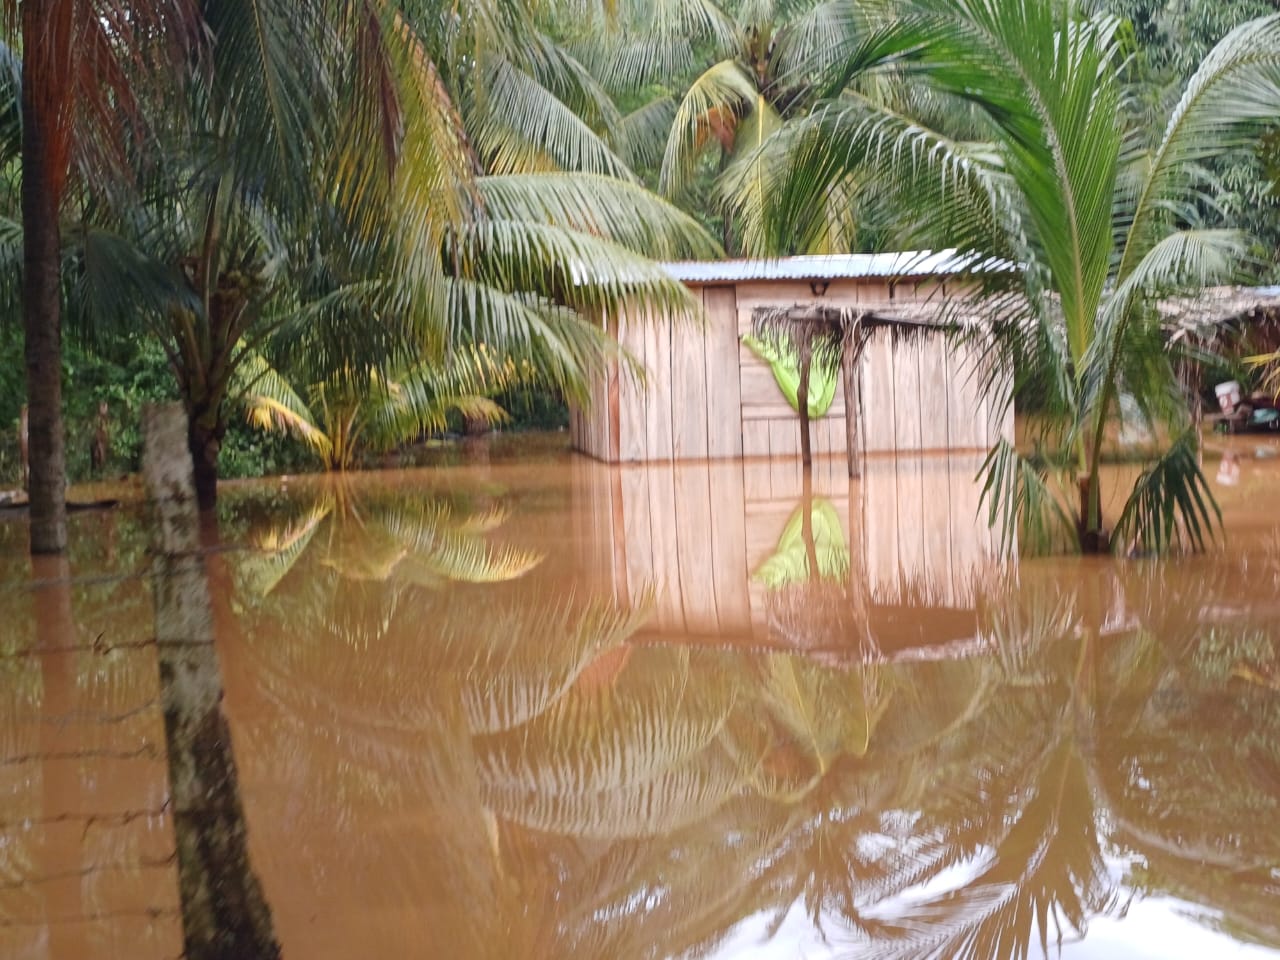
(1171, 504)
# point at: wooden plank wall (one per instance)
(690, 535)
(771, 497)
(925, 395)
(705, 395)
(681, 531)
(593, 429)
(686, 406)
(770, 428)
(925, 540)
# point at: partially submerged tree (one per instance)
(348, 248)
(339, 423)
(82, 64)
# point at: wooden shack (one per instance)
(693, 539)
(705, 395)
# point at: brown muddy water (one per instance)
(545, 708)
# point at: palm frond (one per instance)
(709, 109)
(641, 136)
(1017, 496)
(524, 127)
(267, 88)
(1171, 504)
(818, 39)
(271, 404)
(602, 206)
(1236, 88)
(587, 273)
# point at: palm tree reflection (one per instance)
(502, 770)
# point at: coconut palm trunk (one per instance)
(45, 29)
(802, 401)
(204, 436)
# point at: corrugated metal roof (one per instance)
(922, 263)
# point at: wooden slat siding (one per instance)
(911, 520)
(966, 399)
(934, 388)
(755, 438)
(755, 480)
(784, 455)
(600, 416)
(577, 430)
(632, 399)
(969, 533)
(666, 546)
(877, 395)
(613, 378)
(837, 439)
(906, 396)
(641, 569)
(723, 373)
(762, 398)
(935, 481)
(819, 439)
(726, 481)
(599, 419)
(880, 515)
(772, 293)
(694, 536)
(689, 392)
(781, 410)
(657, 344)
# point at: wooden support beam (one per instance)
(852, 407)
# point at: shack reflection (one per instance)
(568, 761)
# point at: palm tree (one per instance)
(1099, 215)
(342, 254)
(337, 422)
(736, 71)
(76, 83)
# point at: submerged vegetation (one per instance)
(320, 217)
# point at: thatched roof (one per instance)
(1219, 305)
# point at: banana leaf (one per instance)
(789, 563)
(823, 376)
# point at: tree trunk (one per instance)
(1093, 536)
(806, 527)
(61, 735)
(41, 266)
(852, 404)
(802, 398)
(205, 443)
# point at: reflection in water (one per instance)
(224, 915)
(622, 718)
(536, 768)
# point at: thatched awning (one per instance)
(1221, 305)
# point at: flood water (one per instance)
(546, 709)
